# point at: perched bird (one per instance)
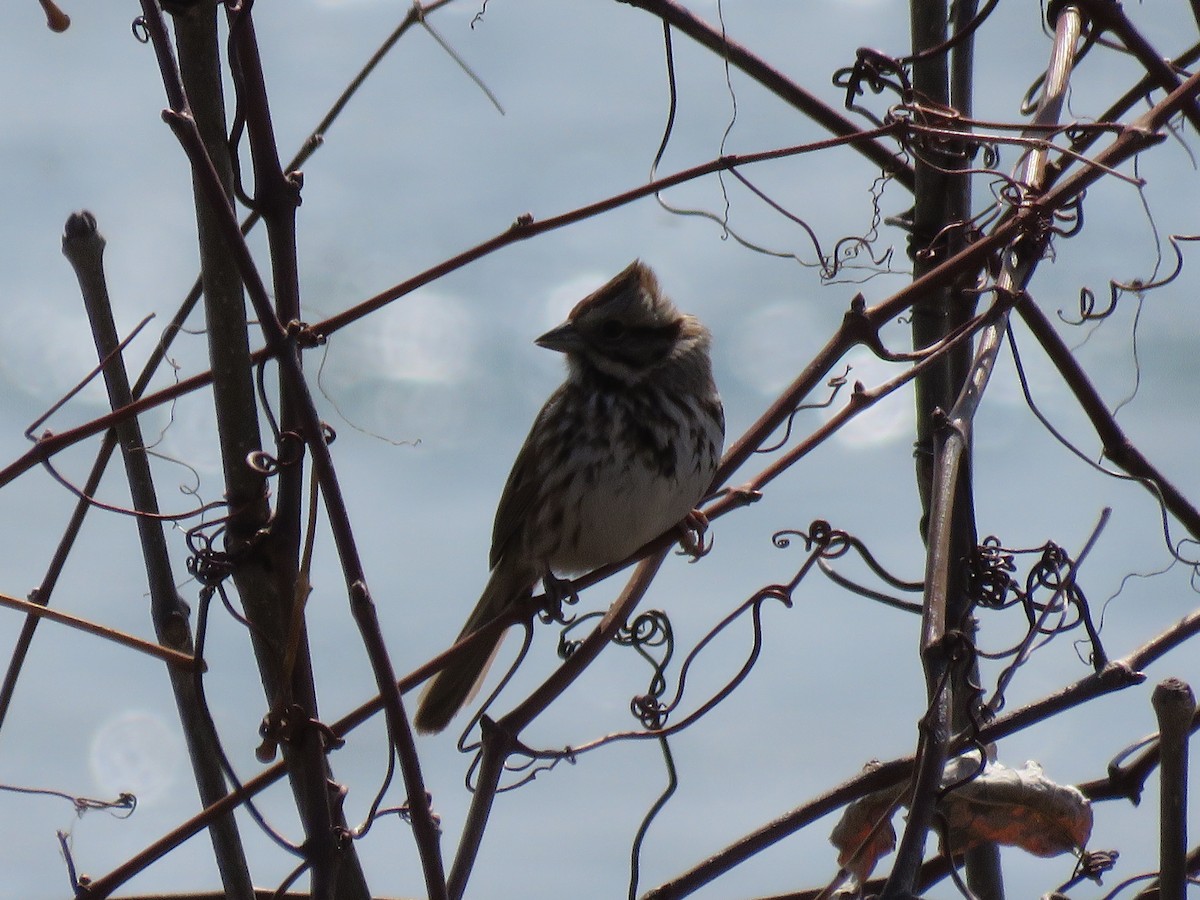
(621, 453)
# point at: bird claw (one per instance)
(692, 530)
(558, 591)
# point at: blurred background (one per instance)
(432, 396)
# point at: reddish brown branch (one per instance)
(1111, 16)
(52, 443)
(169, 655)
(526, 226)
(1126, 781)
(1117, 445)
(1116, 676)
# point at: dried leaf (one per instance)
(1015, 807)
(865, 833)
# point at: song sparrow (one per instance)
(620, 453)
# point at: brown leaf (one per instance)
(865, 833)
(1017, 808)
(1014, 807)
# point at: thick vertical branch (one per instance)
(982, 864)
(941, 209)
(266, 598)
(224, 303)
(283, 344)
(1174, 704)
(945, 573)
(277, 195)
(941, 201)
(84, 248)
(276, 198)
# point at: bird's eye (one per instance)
(611, 330)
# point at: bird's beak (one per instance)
(565, 339)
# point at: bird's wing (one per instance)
(520, 491)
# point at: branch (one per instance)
(283, 346)
(500, 737)
(264, 545)
(1111, 16)
(84, 248)
(1174, 705)
(172, 657)
(526, 226)
(1117, 445)
(42, 594)
(1116, 676)
(1126, 781)
(778, 84)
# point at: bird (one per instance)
(622, 452)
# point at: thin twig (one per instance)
(169, 655)
(773, 80)
(1117, 445)
(1127, 780)
(499, 738)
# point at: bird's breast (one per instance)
(637, 471)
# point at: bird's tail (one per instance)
(455, 686)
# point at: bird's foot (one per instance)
(692, 531)
(559, 592)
